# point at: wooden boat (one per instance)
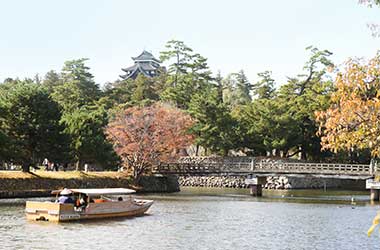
(99, 204)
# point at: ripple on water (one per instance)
(197, 221)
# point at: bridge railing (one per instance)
(264, 167)
(314, 168)
(189, 168)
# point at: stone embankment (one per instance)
(212, 181)
(273, 182)
(37, 186)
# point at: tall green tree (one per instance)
(144, 93)
(305, 94)
(51, 80)
(264, 88)
(284, 120)
(237, 89)
(219, 86)
(84, 116)
(243, 88)
(78, 88)
(188, 73)
(85, 125)
(179, 56)
(30, 123)
(118, 94)
(215, 128)
(266, 127)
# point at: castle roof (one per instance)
(145, 56)
(145, 63)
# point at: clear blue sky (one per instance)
(253, 35)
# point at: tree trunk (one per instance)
(302, 153)
(78, 165)
(285, 153)
(137, 172)
(225, 152)
(26, 167)
(277, 153)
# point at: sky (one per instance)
(251, 35)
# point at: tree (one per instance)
(369, 3)
(51, 80)
(85, 126)
(78, 86)
(284, 120)
(118, 94)
(145, 136)
(219, 87)
(302, 96)
(237, 89)
(353, 119)
(30, 123)
(243, 88)
(83, 115)
(188, 74)
(374, 28)
(144, 93)
(5, 141)
(266, 127)
(215, 128)
(264, 88)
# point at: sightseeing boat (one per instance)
(88, 204)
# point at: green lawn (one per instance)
(62, 175)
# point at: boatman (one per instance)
(65, 196)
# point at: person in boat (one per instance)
(65, 196)
(83, 201)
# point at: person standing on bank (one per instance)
(45, 163)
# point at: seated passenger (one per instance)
(65, 196)
(83, 201)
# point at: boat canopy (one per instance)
(99, 191)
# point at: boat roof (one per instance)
(99, 191)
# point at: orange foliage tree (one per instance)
(353, 119)
(146, 136)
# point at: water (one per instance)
(209, 219)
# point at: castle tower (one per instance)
(145, 64)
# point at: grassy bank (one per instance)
(62, 175)
(44, 181)
(40, 183)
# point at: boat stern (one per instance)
(50, 211)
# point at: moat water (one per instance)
(203, 218)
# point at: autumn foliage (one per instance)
(353, 120)
(145, 136)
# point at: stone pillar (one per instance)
(255, 184)
(374, 195)
(374, 187)
(256, 190)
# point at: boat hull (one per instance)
(55, 212)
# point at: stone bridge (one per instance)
(257, 171)
(321, 170)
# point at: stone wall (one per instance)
(277, 182)
(34, 187)
(212, 181)
(160, 184)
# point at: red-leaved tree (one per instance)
(146, 136)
